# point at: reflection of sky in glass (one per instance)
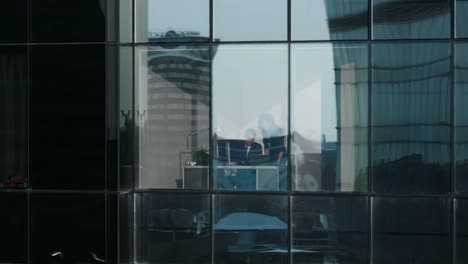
(249, 80)
(178, 15)
(250, 19)
(312, 81)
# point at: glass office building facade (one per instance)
(221, 131)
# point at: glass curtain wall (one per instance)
(292, 131)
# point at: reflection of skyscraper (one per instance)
(174, 102)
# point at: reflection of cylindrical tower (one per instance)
(175, 97)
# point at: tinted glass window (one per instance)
(13, 116)
(67, 116)
(250, 228)
(14, 223)
(329, 19)
(244, 20)
(72, 21)
(411, 230)
(172, 20)
(461, 222)
(67, 228)
(126, 21)
(14, 21)
(461, 9)
(250, 100)
(126, 119)
(173, 228)
(461, 117)
(329, 85)
(411, 117)
(415, 19)
(173, 104)
(330, 230)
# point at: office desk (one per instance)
(197, 177)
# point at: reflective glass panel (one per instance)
(125, 21)
(173, 228)
(250, 100)
(329, 19)
(126, 120)
(172, 108)
(411, 117)
(14, 21)
(411, 230)
(14, 223)
(72, 21)
(414, 19)
(461, 227)
(249, 20)
(126, 223)
(172, 20)
(250, 229)
(330, 230)
(68, 228)
(461, 25)
(13, 116)
(461, 117)
(67, 116)
(329, 117)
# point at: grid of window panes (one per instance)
(58, 132)
(296, 131)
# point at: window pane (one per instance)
(72, 21)
(250, 100)
(461, 228)
(172, 20)
(126, 120)
(416, 19)
(411, 117)
(173, 228)
(250, 229)
(411, 230)
(461, 8)
(244, 20)
(13, 116)
(14, 223)
(67, 116)
(329, 19)
(329, 85)
(125, 21)
(173, 104)
(461, 117)
(68, 228)
(14, 21)
(330, 230)
(126, 223)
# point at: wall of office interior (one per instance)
(222, 131)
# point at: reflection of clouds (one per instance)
(233, 127)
